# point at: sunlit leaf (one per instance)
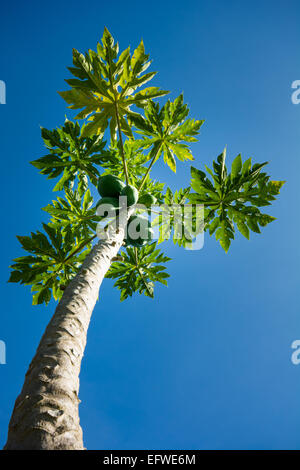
(233, 198)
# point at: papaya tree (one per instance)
(113, 143)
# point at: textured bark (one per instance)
(45, 414)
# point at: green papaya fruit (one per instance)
(147, 200)
(140, 242)
(131, 193)
(135, 243)
(110, 201)
(139, 231)
(110, 186)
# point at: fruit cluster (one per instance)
(111, 188)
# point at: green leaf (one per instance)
(105, 86)
(242, 227)
(225, 234)
(265, 219)
(169, 158)
(233, 199)
(52, 261)
(74, 211)
(246, 167)
(275, 186)
(166, 130)
(139, 270)
(236, 167)
(72, 155)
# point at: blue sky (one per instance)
(206, 364)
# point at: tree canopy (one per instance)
(124, 132)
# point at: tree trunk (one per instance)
(45, 414)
